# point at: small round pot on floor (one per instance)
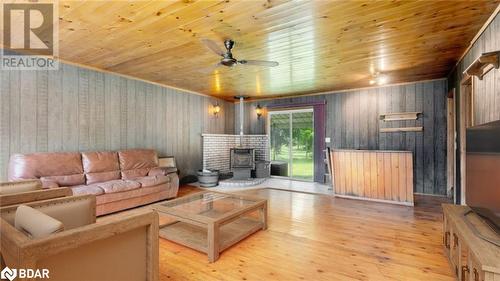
(208, 178)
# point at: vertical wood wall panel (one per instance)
(375, 175)
(54, 112)
(5, 111)
(353, 123)
(77, 109)
(41, 113)
(486, 91)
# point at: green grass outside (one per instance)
(302, 165)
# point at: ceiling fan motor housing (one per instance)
(228, 59)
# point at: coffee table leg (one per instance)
(213, 242)
(263, 216)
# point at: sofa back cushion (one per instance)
(63, 167)
(136, 163)
(100, 166)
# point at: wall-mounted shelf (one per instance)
(399, 116)
(405, 129)
(483, 64)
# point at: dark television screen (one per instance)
(483, 167)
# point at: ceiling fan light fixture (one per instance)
(227, 56)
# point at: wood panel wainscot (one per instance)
(377, 175)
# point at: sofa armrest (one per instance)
(162, 171)
(31, 196)
(13, 187)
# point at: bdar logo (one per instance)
(8, 273)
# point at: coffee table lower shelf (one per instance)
(196, 237)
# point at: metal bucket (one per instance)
(208, 178)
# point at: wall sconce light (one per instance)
(258, 110)
(216, 109)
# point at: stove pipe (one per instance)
(241, 116)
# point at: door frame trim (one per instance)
(466, 119)
(289, 111)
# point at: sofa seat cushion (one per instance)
(152, 180)
(118, 185)
(66, 180)
(118, 196)
(48, 183)
(87, 189)
(102, 176)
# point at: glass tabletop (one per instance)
(208, 204)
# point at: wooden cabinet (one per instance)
(471, 258)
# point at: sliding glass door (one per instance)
(292, 140)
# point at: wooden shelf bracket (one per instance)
(483, 64)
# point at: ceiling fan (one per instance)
(227, 56)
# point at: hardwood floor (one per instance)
(318, 237)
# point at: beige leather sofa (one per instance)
(120, 180)
(118, 247)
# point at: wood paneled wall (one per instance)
(77, 109)
(375, 175)
(353, 123)
(487, 91)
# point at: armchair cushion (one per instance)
(19, 186)
(35, 223)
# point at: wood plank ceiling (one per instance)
(320, 45)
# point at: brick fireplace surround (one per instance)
(216, 149)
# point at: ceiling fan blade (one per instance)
(259, 62)
(212, 46)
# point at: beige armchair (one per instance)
(18, 192)
(118, 247)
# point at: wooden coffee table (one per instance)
(211, 222)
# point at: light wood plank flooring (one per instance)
(318, 237)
